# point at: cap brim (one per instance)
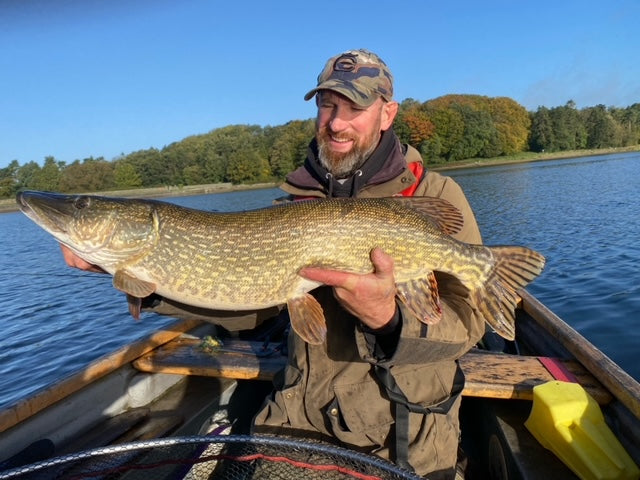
(362, 97)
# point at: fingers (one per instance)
(370, 297)
(382, 263)
(333, 278)
(75, 261)
(382, 268)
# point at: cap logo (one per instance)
(345, 63)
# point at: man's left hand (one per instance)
(369, 297)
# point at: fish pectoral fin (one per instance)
(307, 319)
(421, 297)
(135, 306)
(132, 285)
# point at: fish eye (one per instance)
(81, 202)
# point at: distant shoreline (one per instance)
(9, 204)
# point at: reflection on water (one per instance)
(580, 213)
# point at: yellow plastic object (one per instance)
(568, 421)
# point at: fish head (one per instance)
(103, 231)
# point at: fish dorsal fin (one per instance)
(132, 286)
(439, 211)
(421, 297)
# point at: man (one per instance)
(383, 382)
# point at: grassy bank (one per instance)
(9, 204)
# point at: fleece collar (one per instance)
(385, 163)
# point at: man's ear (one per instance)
(389, 112)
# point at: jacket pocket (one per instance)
(283, 407)
(359, 415)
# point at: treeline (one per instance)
(445, 129)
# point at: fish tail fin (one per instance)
(514, 268)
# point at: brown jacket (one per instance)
(330, 392)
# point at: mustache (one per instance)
(326, 134)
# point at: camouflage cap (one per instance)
(359, 75)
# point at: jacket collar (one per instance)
(385, 163)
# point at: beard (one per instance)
(345, 164)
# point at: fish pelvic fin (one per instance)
(420, 296)
(135, 289)
(307, 319)
(514, 268)
(132, 285)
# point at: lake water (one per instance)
(582, 214)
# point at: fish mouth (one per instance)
(22, 202)
(52, 211)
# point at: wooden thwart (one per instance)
(491, 375)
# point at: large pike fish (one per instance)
(249, 260)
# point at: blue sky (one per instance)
(81, 78)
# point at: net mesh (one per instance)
(217, 457)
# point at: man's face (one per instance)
(348, 133)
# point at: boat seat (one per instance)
(488, 374)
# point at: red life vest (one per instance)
(418, 171)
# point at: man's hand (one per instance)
(370, 297)
(76, 262)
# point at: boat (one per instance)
(198, 385)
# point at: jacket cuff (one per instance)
(382, 342)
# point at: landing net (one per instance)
(214, 457)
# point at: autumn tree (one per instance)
(512, 124)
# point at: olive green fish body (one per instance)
(249, 260)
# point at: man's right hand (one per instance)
(76, 262)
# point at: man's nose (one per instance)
(338, 120)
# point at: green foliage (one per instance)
(444, 129)
(9, 179)
(248, 167)
(289, 147)
(125, 175)
(48, 177)
(602, 131)
(567, 129)
(542, 135)
(90, 175)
